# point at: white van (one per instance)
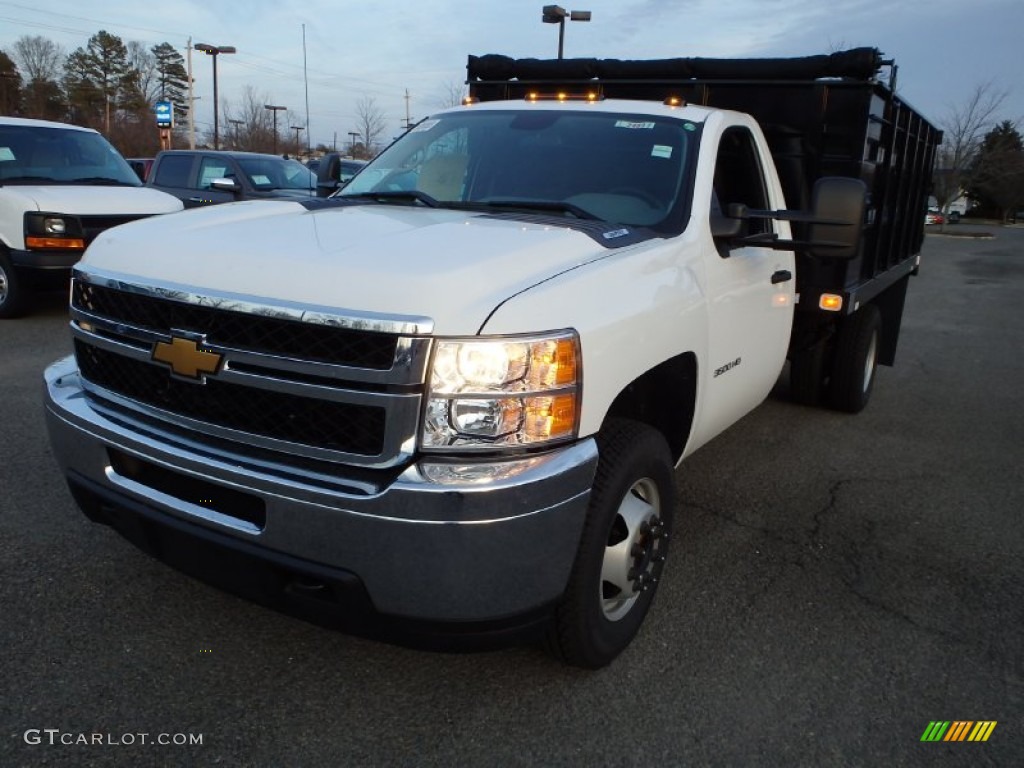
(60, 186)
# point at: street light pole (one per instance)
(298, 147)
(275, 109)
(556, 14)
(215, 51)
(353, 135)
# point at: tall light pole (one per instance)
(275, 109)
(215, 51)
(353, 135)
(556, 14)
(298, 147)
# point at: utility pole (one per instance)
(191, 102)
(408, 120)
(236, 143)
(298, 147)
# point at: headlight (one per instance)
(494, 393)
(49, 231)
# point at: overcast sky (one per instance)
(944, 48)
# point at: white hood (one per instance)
(451, 266)
(88, 200)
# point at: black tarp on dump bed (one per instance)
(857, 63)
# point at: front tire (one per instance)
(622, 549)
(856, 360)
(14, 293)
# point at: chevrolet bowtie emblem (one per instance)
(186, 359)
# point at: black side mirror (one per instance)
(328, 174)
(725, 227)
(838, 204)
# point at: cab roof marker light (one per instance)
(675, 101)
(564, 96)
(830, 302)
(467, 100)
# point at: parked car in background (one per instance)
(334, 171)
(934, 216)
(141, 166)
(206, 177)
(61, 186)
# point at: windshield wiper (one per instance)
(5, 179)
(558, 206)
(105, 180)
(409, 195)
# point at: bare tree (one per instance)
(252, 125)
(963, 131)
(370, 122)
(143, 62)
(39, 58)
(452, 94)
(41, 62)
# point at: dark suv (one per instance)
(204, 177)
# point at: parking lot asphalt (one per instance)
(837, 583)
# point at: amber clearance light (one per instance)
(63, 243)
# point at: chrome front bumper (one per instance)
(439, 542)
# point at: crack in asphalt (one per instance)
(848, 560)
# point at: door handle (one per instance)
(782, 276)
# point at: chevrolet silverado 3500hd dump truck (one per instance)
(451, 396)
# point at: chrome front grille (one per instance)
(302, 381)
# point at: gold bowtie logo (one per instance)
(186, 359)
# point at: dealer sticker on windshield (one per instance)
(634, 125)
(661, 150)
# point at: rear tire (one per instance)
(14, 293)
(856, 360)
(622, 549)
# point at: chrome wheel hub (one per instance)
(635, 550)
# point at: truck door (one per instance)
(750, 288)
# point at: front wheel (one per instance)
(622, 549)
(14, 294)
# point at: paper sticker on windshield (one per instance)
(426, 125)
(661, 150)
(260, 179)
(6, 155)
(634, 125)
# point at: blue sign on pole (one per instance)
(164, 114)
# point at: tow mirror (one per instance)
(834, 222)
(838, 204)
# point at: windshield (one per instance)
(627, 169)
(277, 173)
(40, 155)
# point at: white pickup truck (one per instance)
(60, 186)
(451, 397)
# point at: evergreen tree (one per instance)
(171, 77)
(997, 177)
(99, 80)
(10, 86)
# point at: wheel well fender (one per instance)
(664, 398)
